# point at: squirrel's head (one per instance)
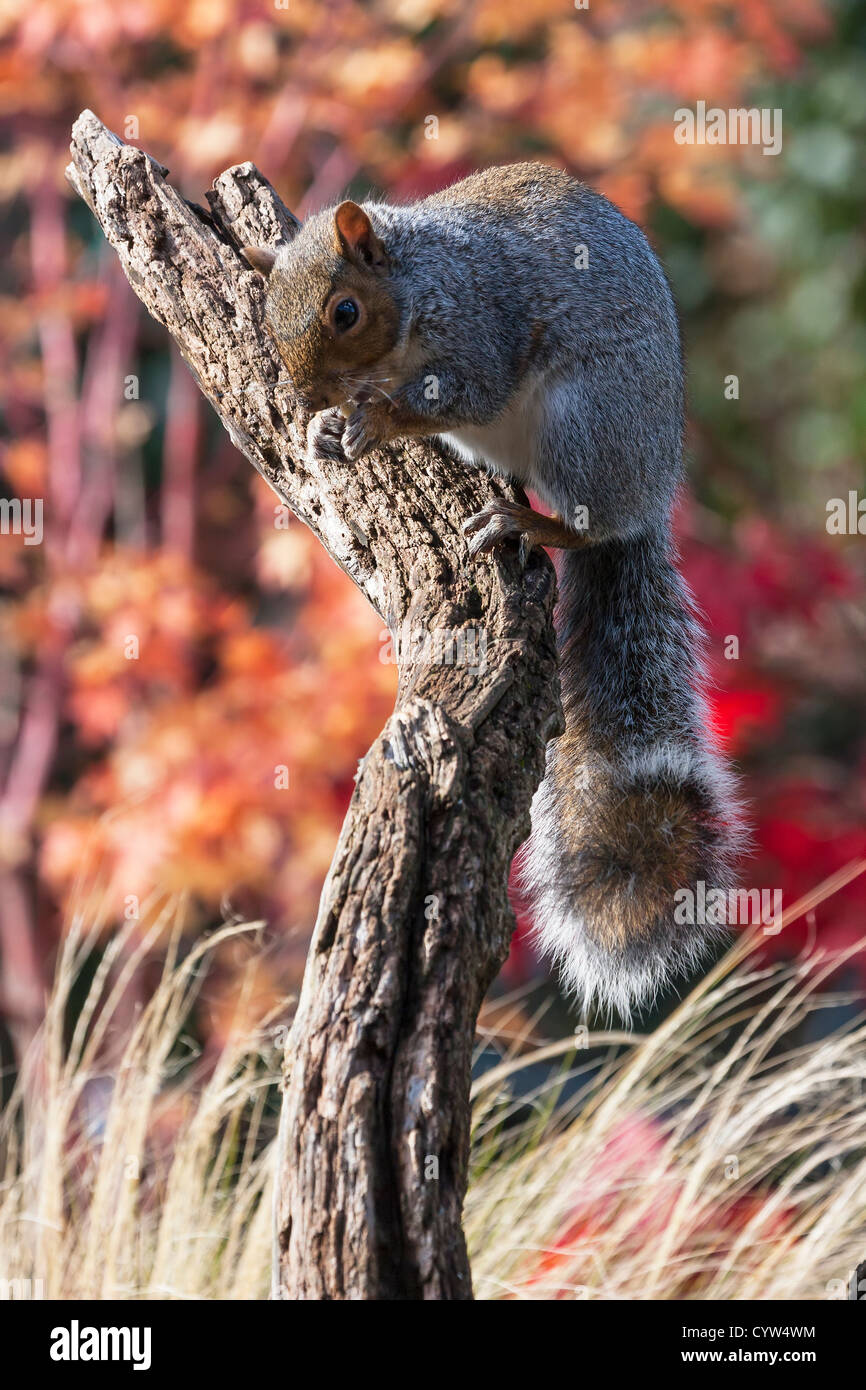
(330, 307)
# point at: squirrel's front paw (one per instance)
(325, 436)
(361, 432)
(495, 524)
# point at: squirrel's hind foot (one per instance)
(501, 521)
(498, 523)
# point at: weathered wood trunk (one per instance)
(414, 922)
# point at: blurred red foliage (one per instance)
(632, 1162)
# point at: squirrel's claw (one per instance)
(325, 436)
(495, 524)
(359, 434)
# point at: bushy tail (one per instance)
(636, 804)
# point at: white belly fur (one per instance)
(507, 445)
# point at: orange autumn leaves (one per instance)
(222, 748)
(317, 96)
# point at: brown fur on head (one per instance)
(330, 305)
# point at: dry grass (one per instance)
(150, 1182)
(709, 1160)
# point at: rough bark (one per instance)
(414, 921)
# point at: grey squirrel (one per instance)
(543, 322)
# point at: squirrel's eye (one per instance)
(345, 314)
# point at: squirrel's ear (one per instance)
(261, 258)
(356, 239)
